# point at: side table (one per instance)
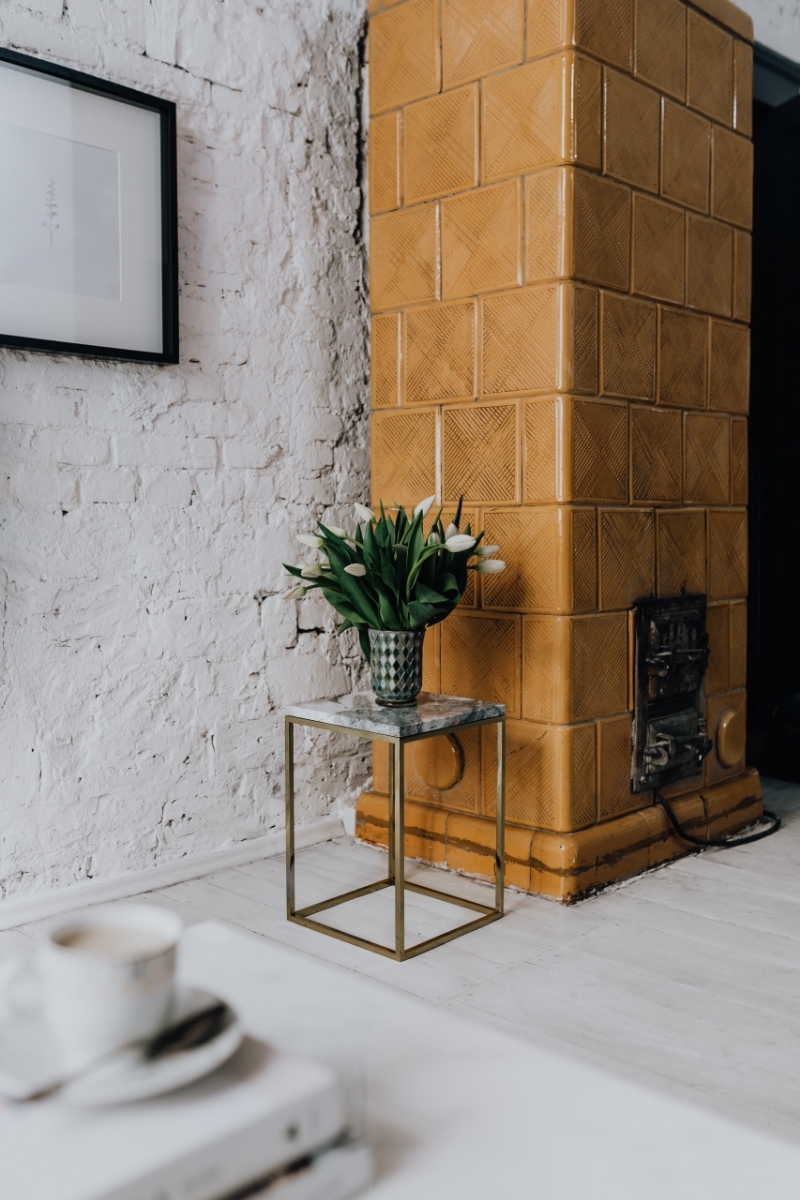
(361, 716)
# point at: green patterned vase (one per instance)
(396, 662)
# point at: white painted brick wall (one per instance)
(145, 511)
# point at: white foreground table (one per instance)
(459, 1110)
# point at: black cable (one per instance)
(732, 841)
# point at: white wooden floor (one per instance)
(687, 979)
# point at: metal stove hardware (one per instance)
(671, 656)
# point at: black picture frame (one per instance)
(166, 111)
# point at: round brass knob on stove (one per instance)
(730, 738)
(440, 761)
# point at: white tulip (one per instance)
(451, 531)
(342, 533)
(357, 569)
(311, 571)
(486, 551)
(294, 593)
(363, 513)
(424, 506)
(489, 566)
(433, 538)
(311, 539)
(459, 542)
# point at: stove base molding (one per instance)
(566, 866)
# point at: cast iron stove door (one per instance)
(669, 725)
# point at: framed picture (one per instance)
(88, 215)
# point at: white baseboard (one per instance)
(18, 910)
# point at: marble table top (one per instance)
(361, 712)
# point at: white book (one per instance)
(260, 1112)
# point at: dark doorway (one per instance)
(773, 643)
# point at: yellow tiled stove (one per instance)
(560, 281)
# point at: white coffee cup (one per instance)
(107, 978)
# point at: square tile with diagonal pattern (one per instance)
(580, 364)
(482, 240)
(683, 358)
(546, 231)
(547, 27)
(384, 163)
(597, 450)
(599, 665)
(403, 456)
(440, 144)
(439, 359)
(627, 557)
(710, 68)
(605, 28)
(743, 88)
(658, 249)
(523, 119)
(661, 45)
(478, 37)
(480, 658)
(685, 156)
(706, 459)
(681, 551)
(540, 448)
(490, 476)
(601, 220)
(614, 795)
(628, 348)
(521, 335)
(730, 367)
(710, 266)
(718, 628)
(631, 116)
(742, 258)
(655, 455)
(731, 177)
(404, 256)
(385, 358)
(550, 776)
(738, 643)
(403, 54)
(738, 461)
(727, 554)
(550, 553)
(586, 109)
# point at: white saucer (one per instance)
(28, 1055)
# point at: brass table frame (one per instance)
(396, 845)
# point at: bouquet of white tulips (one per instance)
(388, 574)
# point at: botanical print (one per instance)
(59, 214)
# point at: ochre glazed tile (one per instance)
(605, 29)
(481, 657)
(738, 461)
(730, 367)
(482, 240)
(550, 776)
(479, 454)
(661, 45)
(404, 257)
(384, 163)
(580, 365)
(584, 127)
(523, 119)
(440, 144)
(742, 257)
(614, 770)
(403, 456)
(739, 644)
(548, 205)
(706, 454)
(433, 759)
(710, 266)
(439, 359)
(658, 249)
(627, 557)
(655, 455)
(681, 552)
(478, 38)
(521, 336)
(630, 131)
(385, 358)
(403, 54)
(596, 450)
(731, 178)
(601, 219)
(727, 554)
(710, 69)
(431, 660)
(549, 27)
(718, 627)
(716, 707)
(685, 156)
(550, 555)
(574, 668)
(743, 88)
(628, 348)
(683, 359)
(540, 451)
